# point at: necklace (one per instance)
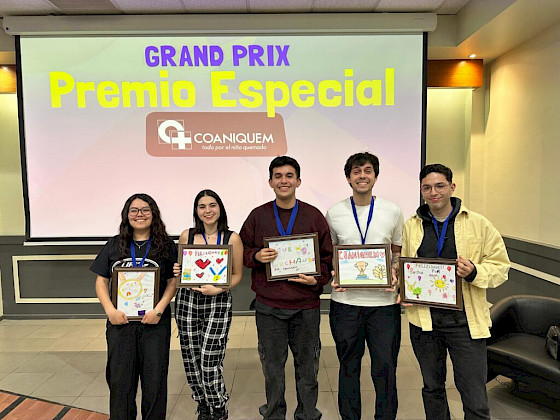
(210, 234)
(140, 244)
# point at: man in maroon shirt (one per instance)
(287, 311)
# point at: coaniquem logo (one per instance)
(173, 132)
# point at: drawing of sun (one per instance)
(440, 284)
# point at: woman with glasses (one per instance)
(138, 349)
(204, 313)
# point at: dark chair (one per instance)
(517, 346)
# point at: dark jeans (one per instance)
(138, 351)
(469, 369)
(380, 327)
(301, 333)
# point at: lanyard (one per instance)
(281, 230)
(370, 215)
(217, 241)
(220, 272)
(133, 253)
(440, 237)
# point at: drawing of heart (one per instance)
(219, 260)
(202, 264)
(199, 275)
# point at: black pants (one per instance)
(469, 369)
(380, 327)
(138, 351)
(301, 333)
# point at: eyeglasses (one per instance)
(133, 211)
(438, 187)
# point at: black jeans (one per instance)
(469, 369)
(380, 327)
(301, 333)
(138, 351)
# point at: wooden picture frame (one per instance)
(205, 264)
(135, 290)
(431, 282)
(363, 266)
(297, 254)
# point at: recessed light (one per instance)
(472, 56)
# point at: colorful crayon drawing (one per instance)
(361, 266)
(204, 265)
(353, 266)
(433, 283)
(135, 292)
(294, 256)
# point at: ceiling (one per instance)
(487, 28)
(86, 7)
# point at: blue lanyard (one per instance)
(221, 271)
(133, 253)
(370, 215)
(281, 230)
(441, 237)
(217, 242)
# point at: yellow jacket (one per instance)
(478, 240)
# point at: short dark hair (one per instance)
(360, 159)
(438, 168)
(222, 220)
(283, 161)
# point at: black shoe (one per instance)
(203, 411)
(219, 413)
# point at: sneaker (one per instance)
(219, 413)
(203, 411)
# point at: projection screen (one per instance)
(108, 116)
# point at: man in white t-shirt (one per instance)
(360, 316)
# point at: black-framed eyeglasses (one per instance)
(133, 211)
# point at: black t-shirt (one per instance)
(110, 257)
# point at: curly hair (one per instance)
(160, 238)
(360, 159)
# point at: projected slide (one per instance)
(105, 117)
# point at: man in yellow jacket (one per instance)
(444, 228)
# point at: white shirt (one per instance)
(385, 228)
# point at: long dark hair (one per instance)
(160, 238)
(222, 220)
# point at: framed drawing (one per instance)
(431, 282)
(362, 266)
(297, 254)
(135, 290)
(205, 264)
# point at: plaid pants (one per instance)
(203, 323)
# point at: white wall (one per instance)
(518, 182)
(448, 130)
